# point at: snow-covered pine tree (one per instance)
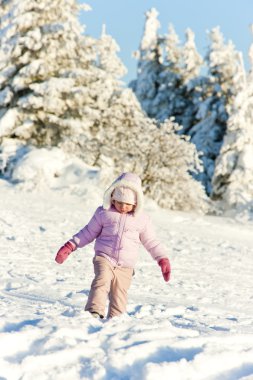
(168, 101)
(158, 73)
(149, 63)
(190, 81)
(165, 68)
(218, 92)
(108, 59)
(163, 159)
(108, 83)
(192, 61)
(48, 79)
(233, 176)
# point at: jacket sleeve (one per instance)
(90, 232)
(151, 243)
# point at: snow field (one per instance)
(199, 326)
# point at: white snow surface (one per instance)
(197, 326)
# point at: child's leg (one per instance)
(118, 295)
(100, 286)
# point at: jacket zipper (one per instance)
(122, 223)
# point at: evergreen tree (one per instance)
(181, 68)
(108, 59)
(168, 99)
(149, 63)
(233, 176)
(192, 61)
(218, 92)
(191, 89)
(48, 79)
(108, 84)
(200, 104)
(165, 69)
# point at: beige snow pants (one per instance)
(109, 281)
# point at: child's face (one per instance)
(123, 208)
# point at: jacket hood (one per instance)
(130, 180)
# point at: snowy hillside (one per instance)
(198, 326)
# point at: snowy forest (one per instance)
(185, 124)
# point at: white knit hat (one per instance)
(130, 181)
(125, 195)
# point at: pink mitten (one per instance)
(64, 251)
(165, 268)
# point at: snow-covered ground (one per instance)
(198, 326)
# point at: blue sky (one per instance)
(124, 21)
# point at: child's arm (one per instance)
(90, 232)
(82, 238)
(156, 249)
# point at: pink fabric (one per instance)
(165, 268)
(119, 236)
(64, 252)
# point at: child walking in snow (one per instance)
(118, 227)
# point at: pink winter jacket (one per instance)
(119, 236)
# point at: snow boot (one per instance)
(95, 314)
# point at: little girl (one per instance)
(119, 226)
